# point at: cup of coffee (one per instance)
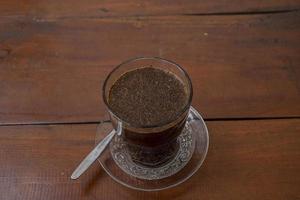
(151, 97)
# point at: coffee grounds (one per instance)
(147, 97)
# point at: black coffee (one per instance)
(148, 97)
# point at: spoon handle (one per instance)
(93, 155)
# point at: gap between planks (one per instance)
(44, 19)
(103, 121)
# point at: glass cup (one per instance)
(150, 145)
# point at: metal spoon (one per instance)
(96, 152)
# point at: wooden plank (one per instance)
(246, 160)
(95, 8)
(241, 66)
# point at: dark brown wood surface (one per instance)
(246, 160)
(96, 8)
(244, 61)
(240, 65)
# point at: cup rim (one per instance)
(184, 109)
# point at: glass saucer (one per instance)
(193, 146)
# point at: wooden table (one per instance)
(244, 61)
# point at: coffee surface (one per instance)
(147, 97)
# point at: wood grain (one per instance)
(94, 8)
(246, 160)
(241, 66)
